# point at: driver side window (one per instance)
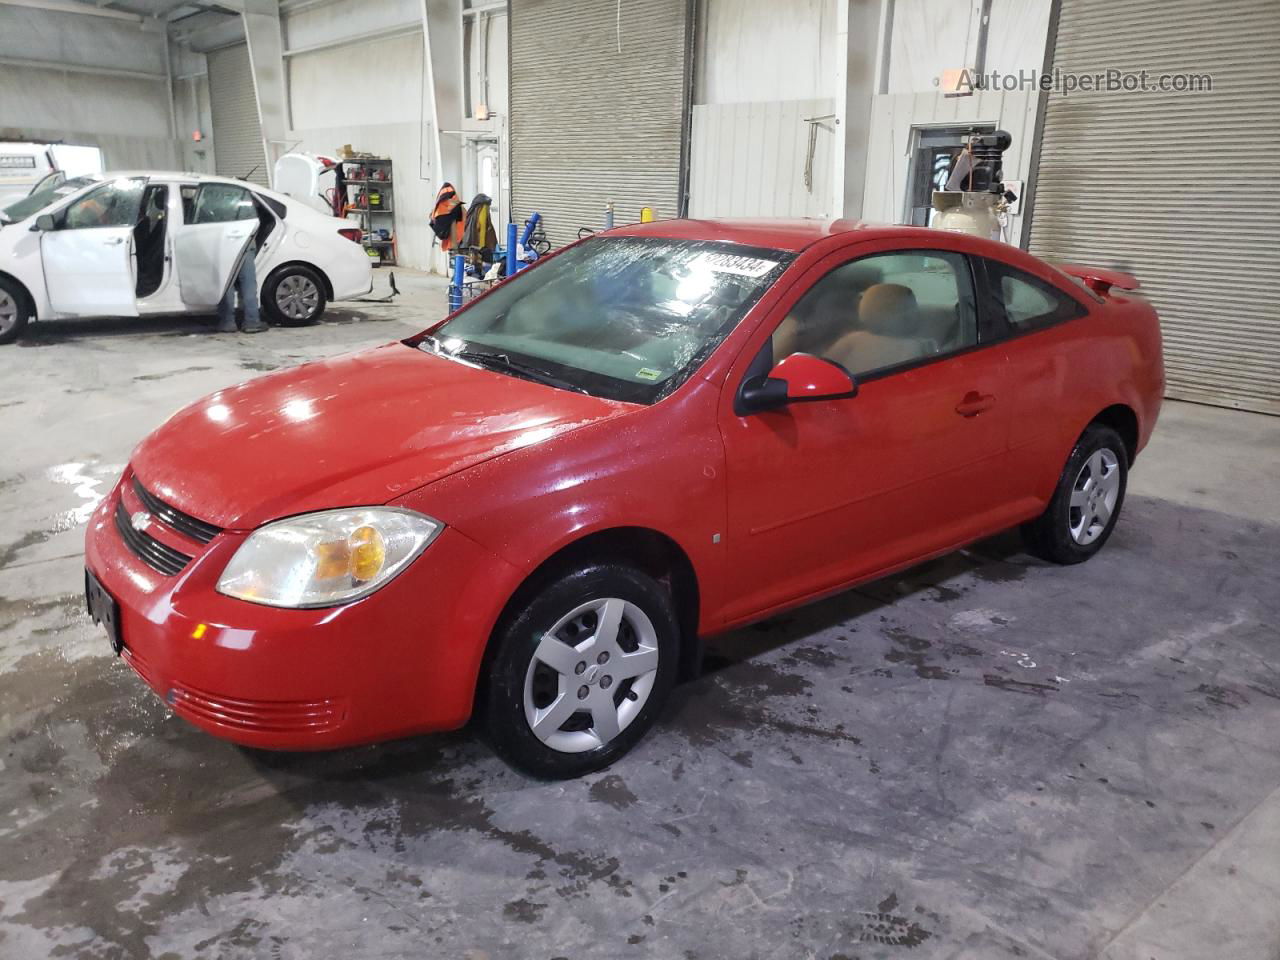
(113, 204)
(884, 311)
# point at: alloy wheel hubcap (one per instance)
(8, 312)
(591, 675)
(1094, 496)
(297, 297)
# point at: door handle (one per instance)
(114, 241)
(975, 403)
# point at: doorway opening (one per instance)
(149, 239)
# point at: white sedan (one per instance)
(137, 244)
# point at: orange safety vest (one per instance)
(447, 217)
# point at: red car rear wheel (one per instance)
(1087, 501)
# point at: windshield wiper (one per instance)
(502, 362)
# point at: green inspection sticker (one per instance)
(644, 373)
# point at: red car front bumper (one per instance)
(403, 660)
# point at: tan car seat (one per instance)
(816, 325)
(826, 314)
(889, 323)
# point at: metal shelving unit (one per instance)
(370, 199)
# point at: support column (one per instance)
(858, 24)
(442, 54)
(266, 59)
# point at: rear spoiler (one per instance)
(1100, 280)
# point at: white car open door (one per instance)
(88, 253)
(208, 255)
(221, 221)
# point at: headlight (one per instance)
(327, 558)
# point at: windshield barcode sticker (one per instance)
(753, 267)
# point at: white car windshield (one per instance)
(46, 193)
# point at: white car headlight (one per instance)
(327, 558)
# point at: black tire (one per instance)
(502, 703)
(1053, 535)
(311, 289)
(15, 310)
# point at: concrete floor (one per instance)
(984, 758)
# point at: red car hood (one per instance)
(359, 429)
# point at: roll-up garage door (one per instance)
(1181, 189)
(599, 104)
(237, 135)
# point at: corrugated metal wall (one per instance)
(759, 75)
(128, 117)
(1181, 189)
(761, 51)
(237, 134)
(748, 160)
(599, 101)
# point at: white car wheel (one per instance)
(13, 312)
(294, 296)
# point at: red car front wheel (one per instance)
(581, 671)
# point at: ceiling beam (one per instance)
(163, 12)
(354, 38)
(81, 68)
(200, 6)
(209, 36)
(72, 6)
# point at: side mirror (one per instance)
(798, 378)
(45, 223)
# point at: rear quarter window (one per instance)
(278, 208)
(1028, 302)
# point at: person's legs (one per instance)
(247, 281)
(227, 311)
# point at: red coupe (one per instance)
(532, 511)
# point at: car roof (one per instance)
(189, 177)
(780, 234)
(172, 175)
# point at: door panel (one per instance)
(823, 493)
(207, 256)
(88, 258)
(89, 272)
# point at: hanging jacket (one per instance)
(447, 217)
(478, 232)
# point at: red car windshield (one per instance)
(626, 318)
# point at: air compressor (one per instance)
(975, 196)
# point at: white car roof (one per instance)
(188, 177)
(296, 207)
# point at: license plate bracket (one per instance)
(104, 609)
